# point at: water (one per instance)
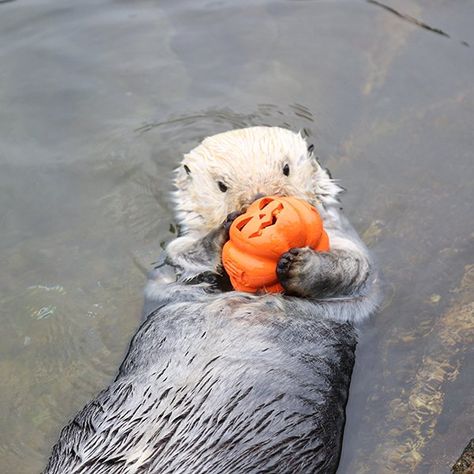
(98, 100)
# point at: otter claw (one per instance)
(206, 277)
(230, 219)
(284, 264)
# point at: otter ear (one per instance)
(182, 176)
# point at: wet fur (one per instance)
(225, 382)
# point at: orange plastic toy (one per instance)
(271, 226)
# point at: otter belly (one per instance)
(230, 385)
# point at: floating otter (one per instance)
(227, 382)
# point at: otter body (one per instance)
(226, 382)
(239, 388)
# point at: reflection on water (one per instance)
(99, 99)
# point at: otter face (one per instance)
(229, 171)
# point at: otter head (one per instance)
(229, 171)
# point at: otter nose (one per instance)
(258, 196)
(245, 201)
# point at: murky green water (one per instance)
(98, 100)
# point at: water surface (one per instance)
(98, 101)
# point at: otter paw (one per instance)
(292, 269)
(210, 278)
(229, 220)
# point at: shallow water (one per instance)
(98, 100)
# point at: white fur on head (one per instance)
(247, 162)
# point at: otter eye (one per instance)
(286, 169)
(310, 149)
(186, 168)
(222, 186)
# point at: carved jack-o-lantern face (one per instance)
(270, 227)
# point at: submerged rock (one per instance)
(465, 464)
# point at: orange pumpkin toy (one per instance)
(271, 226)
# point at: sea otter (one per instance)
(217, 381)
